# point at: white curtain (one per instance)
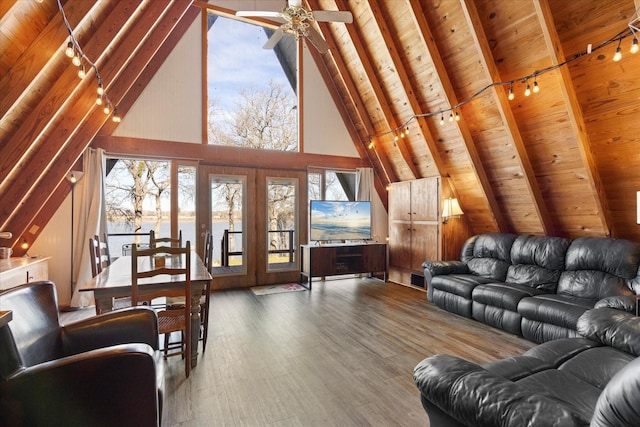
(91, 220)
(364, 184)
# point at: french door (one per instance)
(254, 216)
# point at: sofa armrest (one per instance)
(105, 387)
(476, 397)
(132, 325)
(619, 302)
(440, 268)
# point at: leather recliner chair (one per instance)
(102, 371)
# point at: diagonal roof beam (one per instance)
(383, 102)
(474, 158)
(502, 103)
(554, 47)
(354, 96)
(128, 60)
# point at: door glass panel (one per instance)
(227, 224)
(281, 224)
(186, 203)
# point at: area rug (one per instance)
(277, 289)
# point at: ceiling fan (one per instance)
(298, 22)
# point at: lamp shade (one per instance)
(451, 208)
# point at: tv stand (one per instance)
(333, 260)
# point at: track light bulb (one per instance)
(527, 91)
(69, 51)
(634, 46)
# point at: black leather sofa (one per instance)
(536, 286)
(593, 379)
(102, 371)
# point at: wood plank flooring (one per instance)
(340, 355)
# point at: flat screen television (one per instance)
(340, 220)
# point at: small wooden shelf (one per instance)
(332, 260)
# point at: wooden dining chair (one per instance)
(102, 252)
(164, 241)
(170, 319)
(206, 292)
(96, 267)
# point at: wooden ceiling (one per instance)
(564, 161)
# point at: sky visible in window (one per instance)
(236, 60)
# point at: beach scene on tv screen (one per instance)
(340, 220)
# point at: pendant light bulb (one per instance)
(99, 100)
(69, 51)
(618, 55)
(527, 91)
(634, 46)
(100, 90)
(81, 72)
(536, 88)
(511, 95)
(76, 60)
(106, 109)
(441, 119)
(451, 117)
(457, 117)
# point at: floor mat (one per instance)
(277, 289)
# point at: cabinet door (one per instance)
(400, 201)
(425, 198)
(424, 244)
(400, 244)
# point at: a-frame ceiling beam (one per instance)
(354, 96)
(33, 139)
(502, 104)
(474, 158)
(30, 67)
(380, 96)
(143, 39)
(554, 47)
(409, 89)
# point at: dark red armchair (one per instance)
(102, 371)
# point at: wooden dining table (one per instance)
(115, 282)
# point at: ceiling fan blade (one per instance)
(258, 13)
(333, 16)
(274, 39)
(316, 39)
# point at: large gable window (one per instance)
(251, 91)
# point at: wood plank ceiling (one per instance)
(564, 161)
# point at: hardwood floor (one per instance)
(340, 355)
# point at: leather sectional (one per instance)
(536, 286)
(592, 379)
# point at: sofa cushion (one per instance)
(600, 267)
(614, 407)
(537, 261)
(491, 255)
(458, 284)
(612, 327)
(503, 295)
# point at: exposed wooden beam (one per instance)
(82, 123)
(33, 66)
(32, 144)
(502, 104)
(493, 208)
(384, 104)
(356, 100)
(554, 47)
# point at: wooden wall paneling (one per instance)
(383, 104)
(81, 125)
(32, 72)
(539, 220)
(30, 152)
(351, 91)
(410, 92)
(554, 47)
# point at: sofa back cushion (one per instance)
(611, 327)
(33, 336)
(598, 267)
(619, 403)
(537, 261)
(489, 255)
